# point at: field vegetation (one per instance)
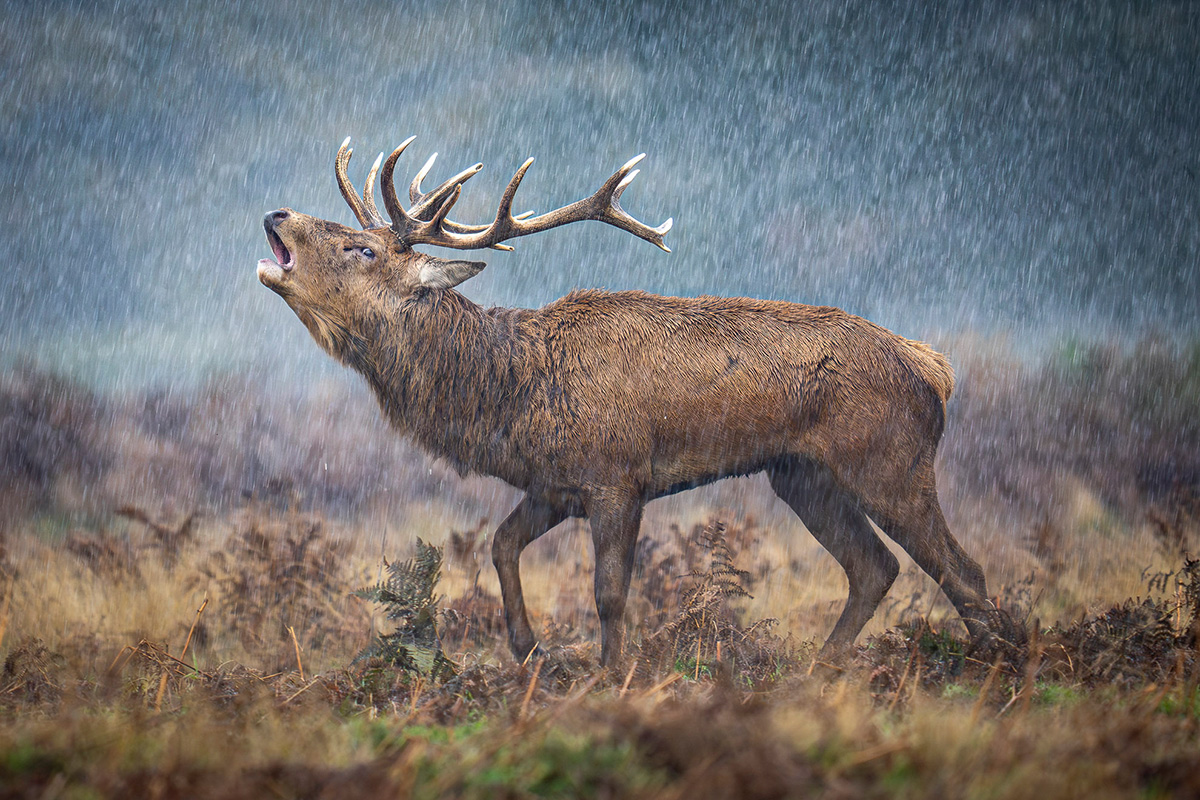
(237, 591)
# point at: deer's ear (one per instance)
(440, 273)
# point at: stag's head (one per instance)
(325, 270)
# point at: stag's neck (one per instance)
(455, 377)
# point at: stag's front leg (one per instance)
(530, 519)
(615, 516)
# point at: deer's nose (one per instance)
(276, 217)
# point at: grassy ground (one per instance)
(177, 616)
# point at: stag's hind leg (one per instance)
(913, 518)
(529, 520)
(834, 518)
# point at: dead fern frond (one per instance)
(723, 575)
(1176, 523)
(466, 547)
(1188, 580)
(107, 558)
(706, 634)
(272, 575)
(1131, 643)
(169, 540)
(33, 673)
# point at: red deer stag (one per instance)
(602, 401)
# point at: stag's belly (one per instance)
(708, 450)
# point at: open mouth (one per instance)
(283, 256)
(272, 273)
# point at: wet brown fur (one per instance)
(601, 401)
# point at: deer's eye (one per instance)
(368, 252)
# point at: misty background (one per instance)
(1017, 170)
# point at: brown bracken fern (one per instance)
(706, 634)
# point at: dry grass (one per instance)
(176, 614)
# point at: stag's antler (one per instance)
(426, 221)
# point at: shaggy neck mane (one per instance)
(448, 373)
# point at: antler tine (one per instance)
(368, 196)
(415, 195)
(424, 202)
(346, 187)
(387, 184)
(504, 210)
(437, 219)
